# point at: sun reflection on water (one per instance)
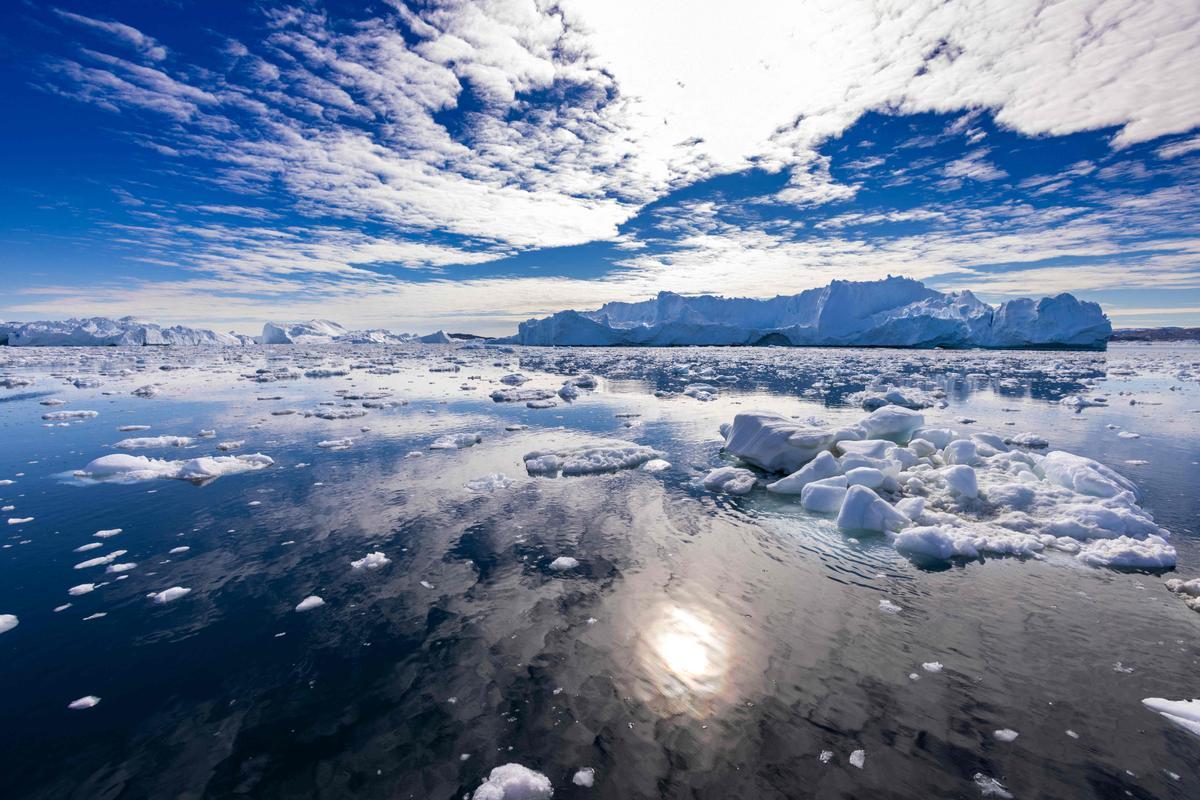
(686, 659)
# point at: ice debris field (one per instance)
(536, 549)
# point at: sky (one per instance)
(468, 165)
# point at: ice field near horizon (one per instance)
(385, 571)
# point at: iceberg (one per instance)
(105, 332)
(315, 331)
(894, 312)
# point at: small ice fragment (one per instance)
(19, 520)
(888, 607)
(167, 595)
(106, 534)
(1072, 734)
(427, 584)
(990, 787)
(1005, 734)
(83, 548)
(373, 560)
(88, 701)
(932, 666)
(656, 465)
(83, 588)
(1184, 713)
(826, 756)
(177, 550)
(563, 563)
(8, 622)
(858, 758)
(585, 777)
(309, 603)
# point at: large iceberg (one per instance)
(315, 331)
(894, 312)
(102, 331)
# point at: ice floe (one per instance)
(309, 603)
(373, 560)
(589, 459)
(120, 467)
(514, 782)
(8, 622)
(167, 595)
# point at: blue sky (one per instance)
(469, 165)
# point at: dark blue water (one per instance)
(706, 646)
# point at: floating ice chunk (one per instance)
(66, 416)
(888, 607)
(1028, 440)
(1084, 475)
(141, 442)
(373, 560)
(514, 379)
(567, 392)
(990, 787)
(1189, 590)
(336, 413)
(936, 543)
(456, 441)
(701, 391)
(107, 533)
(167, 595)
(778, 444)
(514, 782)
(177, 550)
(1125, 552)
(541, 404)
(119, 568)
(932, 666)
(127, 468)
(1184, 713)
(336, 444)
(858, 758)
(729, 480)
(862, 509)
(872, 448)
(864, 476)
(563, 563)
(132, 428)
(824, 496)
(309, 603)
(489, 483)
(585, 777)
(656, 465)
(824, 465)
(892, 395)
(1006, 734)
(88, 701)
(938, 437)
(232, 445)
(520, 395)
(891, 422)
(149, 390)
(962, 481)
(589, 460)
(101, 560)
(8, 622)
(83, 588)
(961, 451)
(19, 520)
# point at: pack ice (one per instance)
(940, 494)
(894, 312)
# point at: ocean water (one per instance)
(705, 645)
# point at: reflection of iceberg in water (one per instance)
(685, 654)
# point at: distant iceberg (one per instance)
(312, 332)
(102, 331)
(894, 312)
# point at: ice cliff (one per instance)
(894, 312)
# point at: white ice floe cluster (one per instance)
(940, 494)
(1189, 590)
(609, 456)
(120, 467)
